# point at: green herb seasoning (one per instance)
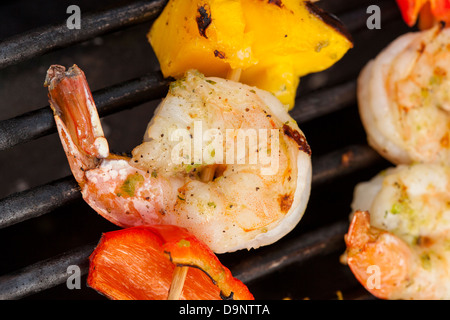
(131, 183)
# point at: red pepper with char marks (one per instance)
(138, 264)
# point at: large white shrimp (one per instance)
(186, 172)
(398, 244)
(404, 98)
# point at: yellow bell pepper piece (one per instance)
(274, 42)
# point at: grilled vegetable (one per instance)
(138, 264)
(429, 11)
(274, 42)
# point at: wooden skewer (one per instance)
(179, 274)
(234, 74)
(207, 174)
(176, 287)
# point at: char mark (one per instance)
(219, 54)
(285, 202)
(329, 19)
(276, 2)
(203, 20)
(297, 137)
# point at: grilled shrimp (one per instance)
(398, 243)
(186, 172)
(404, 98)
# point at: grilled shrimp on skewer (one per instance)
(404, 98)
(399, 246)
(229, 202)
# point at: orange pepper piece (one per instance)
(138, 263)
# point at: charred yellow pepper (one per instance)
(273, 42)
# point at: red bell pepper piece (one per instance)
(410, 10)
(441, 10)
(138, 263)
(430, 11)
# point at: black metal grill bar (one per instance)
(37, 201)
(326, 101)
(43, 199)
(38, 123)
(319, 242)
(35, 124)
(25, 46)
(342, 162)
(30, 279)
(44, 274)
(52, 272)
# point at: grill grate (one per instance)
(325, 105)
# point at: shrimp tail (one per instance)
(378, 259)
(76, 119)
